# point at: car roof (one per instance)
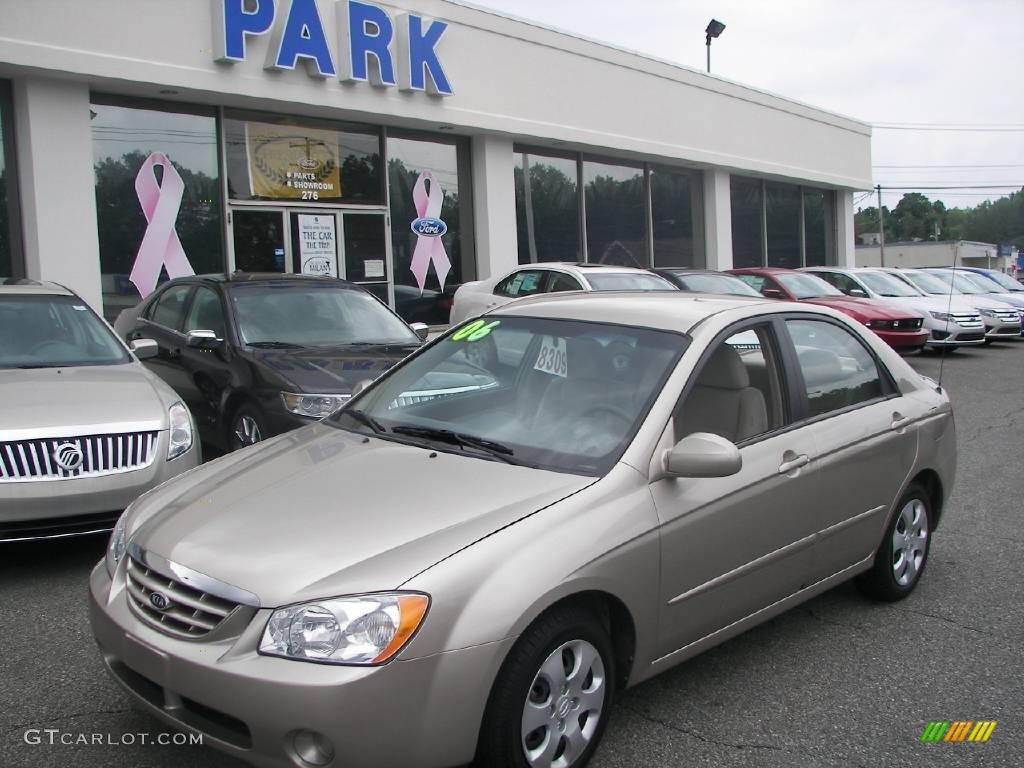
(23, 287)
(667, 310)
(223, 278)
(583, 267)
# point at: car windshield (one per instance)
(554, 394)
(959, 282)
(723, 284)
(804, 286)
(1006, 282)
(310, 315)
(886, 285)
(982, 281)
(54, 332)
(627, 281)
(929, 283)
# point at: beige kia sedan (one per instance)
(546, 505)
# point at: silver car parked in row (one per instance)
(628, 481)
(85, 429)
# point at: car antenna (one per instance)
(949, 304)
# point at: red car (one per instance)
(899, 329)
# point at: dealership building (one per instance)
(406, 146)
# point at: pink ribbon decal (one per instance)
(160, 246)
(429, 248)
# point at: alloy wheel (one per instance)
(564, 705)
(909, 542)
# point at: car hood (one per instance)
(865, 307)
(982, 301)
(45, 402)
(321, 512)
(1008, 298)
(927, 303)
(334, 370)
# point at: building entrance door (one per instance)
(352, 244)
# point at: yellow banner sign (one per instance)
(287, 162)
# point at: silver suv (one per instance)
(85, 428)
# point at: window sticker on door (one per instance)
(552, 358)
(478, 329)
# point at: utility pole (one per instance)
(881, 228)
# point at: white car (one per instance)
(985, 285)
(952, 323)
(1001, 320)
(481, 296)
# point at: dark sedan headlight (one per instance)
(360, 629)
(312, 406)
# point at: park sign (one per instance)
(371, 46)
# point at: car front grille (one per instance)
(1007, 316)
(171, 606)
(967, 319)
(63, 458)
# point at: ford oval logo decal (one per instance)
(429, 227)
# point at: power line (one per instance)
(964, 165)
(1013, 187)
(937, 127)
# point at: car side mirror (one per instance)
(422, 330)
(772, 293)
(360, 386)
(857, 292)
(703, 454)
(145, 348)
(202, 339)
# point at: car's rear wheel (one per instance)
(550, 702)
(247, 427)
(903, 553)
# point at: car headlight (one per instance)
(362, 629)
(941, 315)
(313, 406)
(180, 432)
(117, 545)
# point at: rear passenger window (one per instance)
(838, 370)
(562, 282)
(170, 307)
(522, 283)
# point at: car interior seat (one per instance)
(722, 400)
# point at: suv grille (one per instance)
(179, 609)
(60, 458)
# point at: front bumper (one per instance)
(418, 713)
(950, 333)
(903, 340)
(996, 328)
(33, 509)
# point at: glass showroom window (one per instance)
(148, 159)
(295, 160)
(677, 218)
(616, 198)
(428, 179)
(547, 208)
(781, 225)
(10, 243)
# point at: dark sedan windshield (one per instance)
(556, 394)
(1006, 282)
(54, 332)
(721, 284)
(311, 315)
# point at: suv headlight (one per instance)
(362, 629)
(941, 315)
(313, 406)
(180, 435)
(117, 545)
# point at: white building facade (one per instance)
(406, 146)
(942, 253)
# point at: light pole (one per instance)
(715, 28)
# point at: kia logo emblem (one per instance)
(429, 227)
(68, 456)
(159, 601)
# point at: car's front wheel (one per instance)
(903, 553)
(247, 427)
(550, 702)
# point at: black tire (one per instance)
(883, 581)
(988, 341)
(245, 415)
(501, 738)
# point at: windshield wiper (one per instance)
(497, 450)
(363, 418)
(274, 345)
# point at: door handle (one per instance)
(795, 463)
(899, 421)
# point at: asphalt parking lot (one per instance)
(838, 681)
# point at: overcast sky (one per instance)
(936, 62)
